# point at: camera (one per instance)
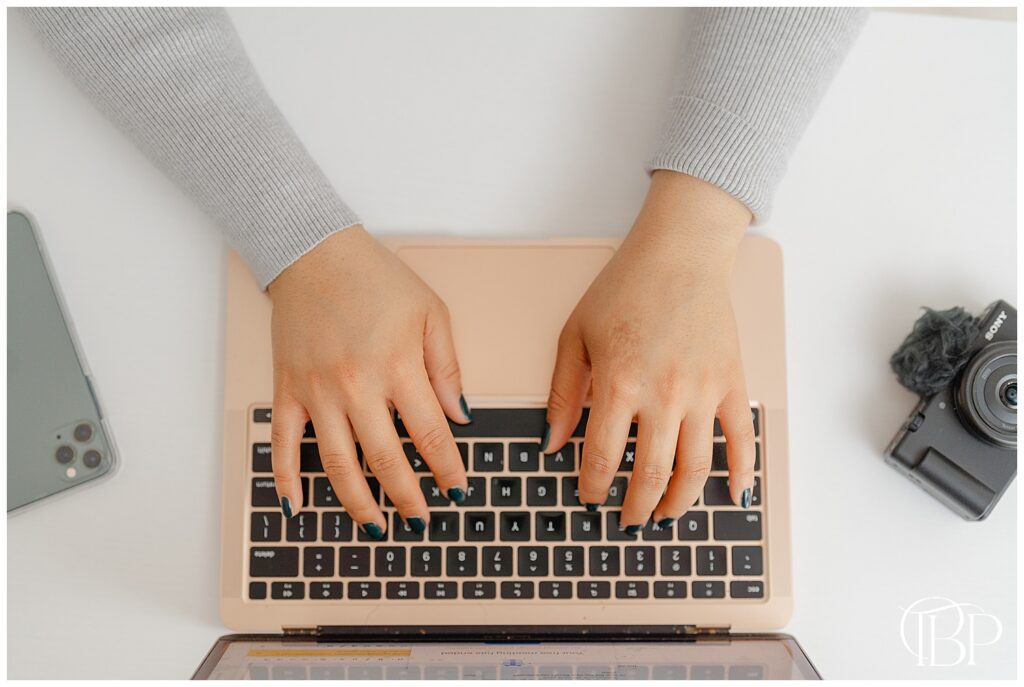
(960, 444)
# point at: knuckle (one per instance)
(281, 438)
(338, 464)
(599, 462)
(386, 463)
(284, 478)
(653, 475)
(697, 472)
(449, 371)
(557, 401)
(743, 434)
(433, 440)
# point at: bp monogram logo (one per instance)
(941, 632)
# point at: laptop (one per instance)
(519, 581)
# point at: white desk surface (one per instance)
(486, 123)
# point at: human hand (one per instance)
(654, 339)
(354, 330)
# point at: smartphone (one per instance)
(57, 436)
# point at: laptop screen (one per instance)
(767, 657)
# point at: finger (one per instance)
(341, 463)
(569, 385)
(738, 428)
(287, 425)
(693, 463)
(656, 439)
(385, 458)
(605, 439)
(430, 433)
(443, 367)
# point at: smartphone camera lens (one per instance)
(83, 432)
(65, 454)
(91, 459)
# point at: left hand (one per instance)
(655, 339)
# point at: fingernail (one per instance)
(456, 494)
(633, 529)
(591, 506)
(665, 523)
(465, 408)
(417, 525)
(286, 506)
(545, 438)
(745, 498)
(372, 530)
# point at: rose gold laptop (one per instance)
(521, 560)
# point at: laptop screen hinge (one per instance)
(462, 633)
(301, 631)
(708, 630)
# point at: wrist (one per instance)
(325, 258)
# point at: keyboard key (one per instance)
(488, 457)
(540, 491)
(257, 590)
(402, 532)
(425, 561)
(478, 590)
(364, 590)
(533, 561)
(506, 491)
(614, 531)
(737, 526)
(747, 560)
(302, 527)
(652, 532)
(617, 492)
(480, 526)
(323, 493)
(444, 526)
(389, 561)
(309, 458)
(415, 459)
(703, 589)
(593, 590)
(337, 526)
(464, 452)
(716, 492)
(325, 590)
(586, 526)
(264, 493)
(318, 561)
(515, 526)
(675, 561)
(639, 561)
(628, 458)
(551, 526)
(670, 590)
(556, 590)
(711, 560)
(354, 561)
(403, 590)
(497, 561)
(517, 590)
(720, 458)
(571, 491)
(261, 461)
(693, 526)
(432, 493)
(461, 561)
(632, 589)
(569, 561)
(581, 428)
(274, 561)
(476, 493)
(746, 589)
(524, 457)
(288, 590)
(440, 590)
(261, 415)
(562, 460)
(604, 561)
(755, 415)
(264, 526)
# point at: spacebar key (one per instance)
(274, 561)
(737, 525)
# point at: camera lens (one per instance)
(83, 432)
(987, 394)
(91, 458)
(65, 454)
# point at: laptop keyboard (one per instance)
(520, 534)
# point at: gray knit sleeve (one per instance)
(179, 83)
(751, 79)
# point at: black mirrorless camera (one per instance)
(960, 444)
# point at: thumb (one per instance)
(443, 367)
(569, 385)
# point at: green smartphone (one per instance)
(57, 436)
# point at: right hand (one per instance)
(355, 331)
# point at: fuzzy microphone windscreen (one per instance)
(936, 349)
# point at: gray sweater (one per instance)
(180, 84)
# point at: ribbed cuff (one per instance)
(712, 144)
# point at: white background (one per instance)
(902, 194)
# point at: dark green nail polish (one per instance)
(286, 506)
(745, 498)
(417, 525)
(591, 507)
(456, 494)
(665, 523)
(372, 530)
(633, 529)
(465, 408)
(545, 438)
